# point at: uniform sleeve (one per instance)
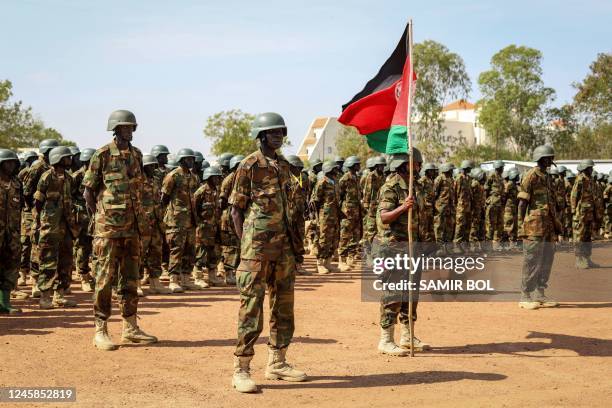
(576, 193)
(387, 199)
(28, 187)
(526, 189)
(168, 184)
(41, 189)
(241, 190)
(317, 193)
(93, 176)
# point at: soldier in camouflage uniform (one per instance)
(598, 190)
(392, 228)
(261, 218)
(350, 213)
(444, 210)
(208, 237)
(538, 226)
(511, 209)
(568, 218)
(82, 243)
(429, 172)
(150, 267)
(311, 226)
(198, 166)
(161, 153)
(26, 224)
(585, 213)
(463, 200)
(478, 208)
(495, 202)
(230, 244)
(57, 225)
(180, 219)
(30, 183)
(325, 201)
(297, 199)
(608, 208)
(372, 184)
(113, 184)
(11, 200)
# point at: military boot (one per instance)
(343, 266)
(198, 278)
(145, 276)
(60, 301)
(211, 278)
(386, 345)
(175, 286)
(582, 262)
(87, 283)
(133, 334)
(300, 270)
(23, 278)
(544, 301)
(322, 267)
(35, 291)
(19, 295)
(186, 283)
(495, 246)
(241, 380)
(45, 300)
(139, 290)
(156, 287)
(592, 264)
(527, 302)
(332, 268)
(230, 277)
(405, 340)
(5, 303)
(102, 340)
(279, 369)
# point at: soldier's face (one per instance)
(379, 168)
(148, 170)
(274, 138)
(8, 167)
(588, 171)
(295, 171)
(188, 162)
(66, 162)
(124, 132)
(546, 161)
(500, 170)
(162, 159)
(355, 168)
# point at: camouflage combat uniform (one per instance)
(478, 211)
(371, 186)
(30, 184)
(297, 195)
(607, 195)
(83, 242)
(312, 227)
(350, 207)
(568, 218)
(584, 209)
(444, 211)
(10, 208)
(153, 237)
(158, 176)
(494, 189)
(180, 220)
(427, 212)
(325, 197)
(230, 244)
(206, 200)
(559, 186)
(267, 257)
(115, 178)
(56, 227)
(25, 229)
(511, 211)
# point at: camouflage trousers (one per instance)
(34, 251)
(26, 241)
(311, 232)
(583, 229)
(181, 243)
(327, 239)
(151, 253)
(495, 222)
(538, 257)
(253, 277)
(511, 223)
(477, 228)
(369, 229)
(350, 235)
(389, 313)
(444, 227)
(9, 253)
(82, 251)
(567, 222)
(207, 257)
(462, 226)
(55, 268)
(230, 249)
(116, 260)
(608, 219)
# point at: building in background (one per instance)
(320, 139)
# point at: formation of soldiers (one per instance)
(121, 220)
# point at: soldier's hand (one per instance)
(408, 203)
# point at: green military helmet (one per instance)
(199, 157)
(58, 153)
(235, 161)
(416, 155)
(380, 160)
(172, 162)
(351, 161)
(205, 164)
(543, 151)
(159, 149)
(211, 171)
(224, 159)
(339, 159)
(8, 155)
(184, 153)
(328, 167)
(75, 151)
(601, 176)
(86, 154)
(429, 166)
(562, 169)
(585, 164)
(505, 174)
(46, 145)
(553, 171)
(397, 160)
(570, 175)
(121, 117)
(316, 162)
(446, 167)
(370, 163)
(149, 160)
(498, 164)
(295, 161)
(513, 174)
(267, 121)
(477, 173)
(30, 155)
(467, 164)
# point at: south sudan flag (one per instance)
(380, 110)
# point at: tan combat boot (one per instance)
(60, 301)
(386, 345)
(322, 267)
(101, 340)
(405, 340)
(211, 278)
(156, 287)
(186, 283)
(198, 278)
(241, 380)
(175, 286)
(332, 268)
(139, 290)
(230, 277)
(133, 334)
(543, 300)
(279, 369)
(87, 283)
(19, 295)
(581, 262)
(35, 291)
(300, 270)
(343, 265)
(23, 278)
(527, 302)
(45, 300)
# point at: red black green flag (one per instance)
(380, 110)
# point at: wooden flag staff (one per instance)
(410, 186)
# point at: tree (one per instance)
(350, 143)
(18, 126)
(442, 77)
(593, 98)
(482, 153)
(230, 132)
(562, 130)
(514, 98)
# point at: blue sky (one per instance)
(175, 63)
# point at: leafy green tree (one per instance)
(482, 153)
(229, 131)
(350, 143)
(594, 96)
(442, 77)
(562, 130)
(514, 99)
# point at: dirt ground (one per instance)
(484, 354)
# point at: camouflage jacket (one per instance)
(350, 195)
(371, 186)
(428, 187)
(582, 198)
(261, 187)
(151, 199)
(494, 189)
(55, 192)
(326, 198)
(538, 192)
(559, 185)
(158, 175)
(179, 185)
(206, 200)
(478, 199)
(10, 209)
(297, 198)
(115, 178)
(227, 223)
(444, 195)
(30, 180)
(511, 196)
(463, 193)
